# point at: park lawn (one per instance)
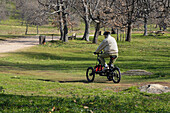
(52, 77)
(13, 28)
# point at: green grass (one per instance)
(53, 75)
(9, 28)
(13, 28)
(128, 101)
(151, 27)
(40, 78)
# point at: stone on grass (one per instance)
(154, 88)
(137, 72)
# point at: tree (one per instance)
(58, 8)
(147, 8)
(30, 13)
(103, 14)
(144, 12)
(82, 8)
(130, 6)
(95, 15)
(162, 13)
(127, 10)
(4, 9)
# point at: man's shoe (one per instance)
(105, 68)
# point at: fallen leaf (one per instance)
(75, 101)
(91, 103)
(53, 109)
(91, 111)
(86, 107)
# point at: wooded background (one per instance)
(119, 15)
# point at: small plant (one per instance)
(2, 90)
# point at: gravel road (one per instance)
(11, 45)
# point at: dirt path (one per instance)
(11, 45)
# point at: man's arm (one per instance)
(101, 46)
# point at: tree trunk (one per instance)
(61, 31)
(129, 30)
(61, 20)
(123, 35)
(37, 30)
(26, 32)
(87, 30)
(120, 35)
(117, 34)
(65, 28)
(65, 34)
(145, 27)
(160, 28)
(96, 33)
(87, 21)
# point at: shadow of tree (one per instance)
(46, 56)
(11, 36)
(133, 63)
(27, 103)
(48, 66)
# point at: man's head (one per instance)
(106, 33)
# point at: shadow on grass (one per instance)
(165, 36)
(63, 81)
(20, 103)
(81, 81)
(45, 104)
(134, 63)
(47, 56)
(22, 66)
(74, 81)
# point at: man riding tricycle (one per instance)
(110, 48)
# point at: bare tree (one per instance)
(130, 10)
(95, 15)
(58, 8)
(74, 21)
(127, 10)
(103, 14)
(4, 12)
(82, 8)
(144, 12)
(109, 13)
(162, 13)
(30, 13)
(151, 9)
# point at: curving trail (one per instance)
(11, 45)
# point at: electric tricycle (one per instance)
(112, 72)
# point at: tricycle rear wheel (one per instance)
(110, 78)
(116, 75)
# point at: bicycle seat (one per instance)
(113, 57)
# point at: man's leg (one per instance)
(101, 58)
(114, 59)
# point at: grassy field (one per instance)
(51, 78)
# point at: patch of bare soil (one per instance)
(137, 72)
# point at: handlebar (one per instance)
(98, 53)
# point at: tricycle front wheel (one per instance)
(90, 74)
